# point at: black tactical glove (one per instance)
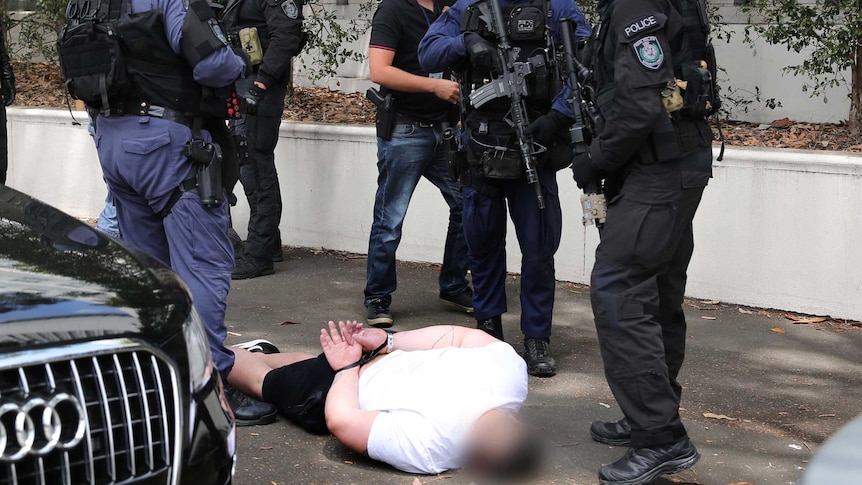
(251, 100)
(7, 85)
(544, 128)
(483, 54)
(586, 176)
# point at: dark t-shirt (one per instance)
(398, 26)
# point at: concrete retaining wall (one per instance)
(776, 229)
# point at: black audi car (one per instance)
(105, 372)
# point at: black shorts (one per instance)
(299, 392)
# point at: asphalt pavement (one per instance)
(760, 392)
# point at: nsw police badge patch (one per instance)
(290, 9)
(649, 52)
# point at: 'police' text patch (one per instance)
(641, 25)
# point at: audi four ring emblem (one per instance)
(37, 426)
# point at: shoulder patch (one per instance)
(649, 52)
(290, 9)
(642, 25)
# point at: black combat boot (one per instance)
(248, 267)
(642, 465)
(492, 326)
(537, 353)
(616, 433)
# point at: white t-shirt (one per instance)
(431, 398)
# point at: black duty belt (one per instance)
(403, 120)
(143, 108)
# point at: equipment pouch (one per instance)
(492, 149)
(456, 157)
(250, 42)
(595, 209)
(698, 92)
(385, 118)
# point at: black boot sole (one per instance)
(253, 274)
(610, 441)
(669, 467)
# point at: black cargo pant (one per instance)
(257, 175)
(637, 289)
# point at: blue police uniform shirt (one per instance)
(219, 69)
(443, 44)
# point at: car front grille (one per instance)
(109, 414)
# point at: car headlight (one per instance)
(200, 357)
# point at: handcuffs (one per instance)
(368, 356)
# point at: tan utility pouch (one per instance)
(251, 43)
(671, 96)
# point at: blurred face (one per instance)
(494, 438)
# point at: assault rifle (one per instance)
(511, 83)
(587, 122)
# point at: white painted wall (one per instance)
(776, 229)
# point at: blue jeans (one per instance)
(412, 153)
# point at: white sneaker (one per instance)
(259, 345)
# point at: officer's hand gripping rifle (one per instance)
(593, 201)
(510, 83)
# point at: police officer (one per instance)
(150, 137)
(423, 104)
(271, 31)
(7, 90)
(656, 161)
(495, 173)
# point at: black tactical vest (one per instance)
(151, 71)
(526, 25)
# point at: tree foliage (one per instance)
(827, 32)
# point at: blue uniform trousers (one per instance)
(258, 176)
(412, 153)
(143, 164)
(538, 232)
(637, 289)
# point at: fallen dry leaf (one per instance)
(266, 447)
(416, 481)
(782, 123)
(708, 318)
(777, 330)
(747, 312)
(801, 320)
(712, 302)
(287, 322)
(718, 416)
(234, 334)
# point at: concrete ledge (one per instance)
(776, 228)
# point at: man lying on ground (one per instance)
(423, 401)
